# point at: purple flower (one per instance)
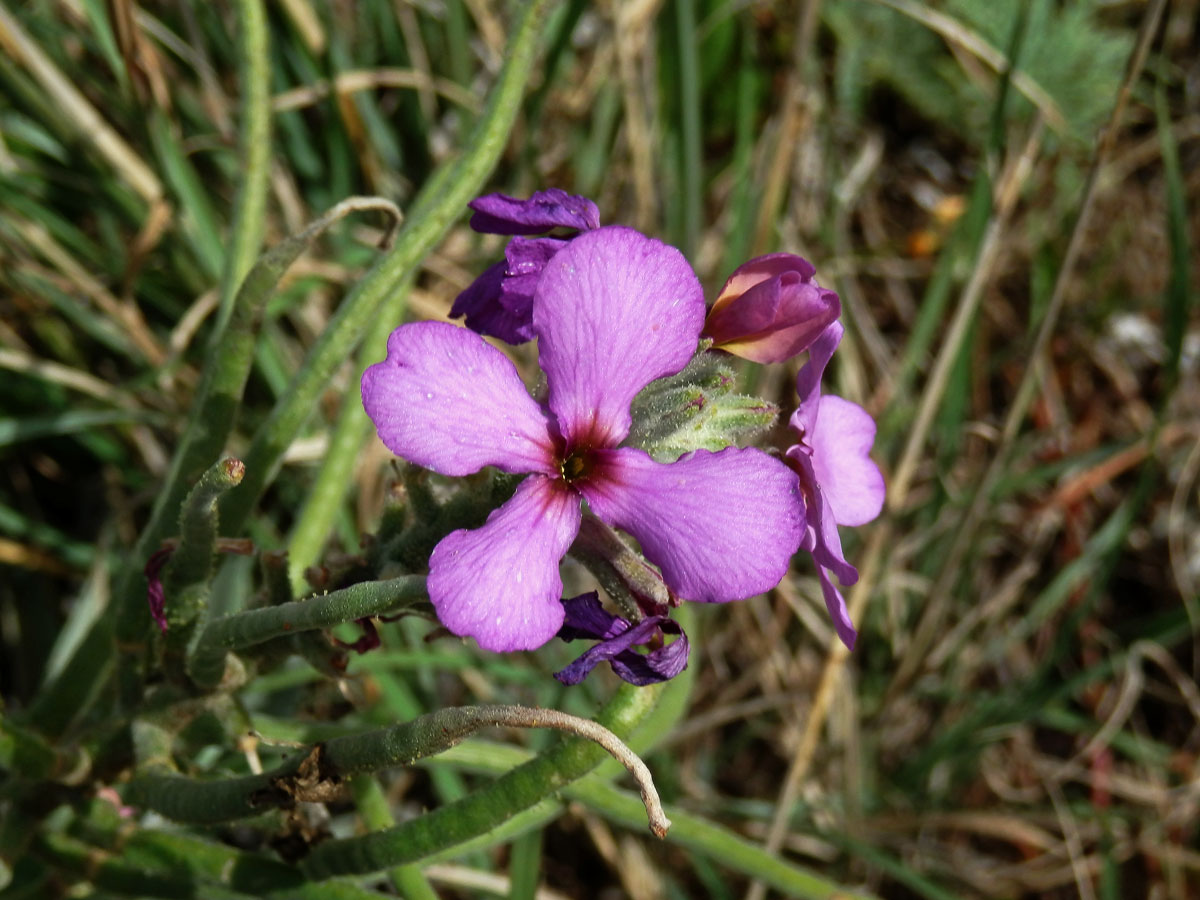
(613, 311)
(587, 619)
(770, 309)
(500, 301)
(839, 482)
(542, 212)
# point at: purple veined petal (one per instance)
(808, 380)
(641, 669)
(543, 211)
(525, 260)
(613, 311)
(585, 618)
(488, 311)
(841, 442)
(658, 665)
(528, 256)
(447, 400)
(608, 648)
(499, 583)
(721, 526)
(836, 604)
(822, 539)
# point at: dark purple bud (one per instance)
(542, 212)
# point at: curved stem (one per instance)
(317, 773)
(518, 790)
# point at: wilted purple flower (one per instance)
(587, 619)
(612, 311)
(770, 309)
(500, 301)
(840, 483)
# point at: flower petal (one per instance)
(808, 380)
(721, 526)
(613, 311)
(446, 400)
(525, 259)
(841, 443)
(658, 665)
(545, 210)
(760, 269)
(490, 310)
(586, 618)
(774, 320)
(836, 604)
(499, 583)
(821, 537)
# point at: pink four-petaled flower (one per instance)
(613, 310)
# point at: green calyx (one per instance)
(697, 410)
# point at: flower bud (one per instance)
(770, 309)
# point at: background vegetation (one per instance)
(1003, 192)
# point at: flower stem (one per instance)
(328, 490)
(316, 773)
(373, 807)
(256, 626)
(489, 807)
(250, 207)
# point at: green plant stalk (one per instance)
(250, 207)
(315, 771)
(440, 203)
(160, 864)
(74, 690)
(204, 436)
(244, 298)
(487, 808)
(256, 626)
(111, 873)
(373, 807)
(25, 755)
(690, 134)
(525, 866)
(192, 561)
(713, 841)
(328, 491)
(687, 829)
(216, 404)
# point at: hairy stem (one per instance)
(256, 626)
(518, 790)
(317, 773)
